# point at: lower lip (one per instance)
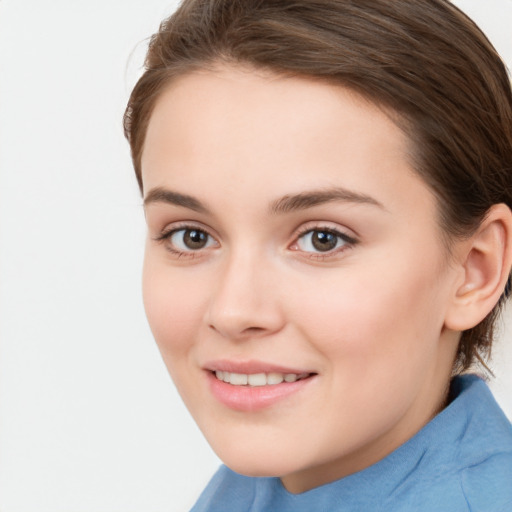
(253, 398)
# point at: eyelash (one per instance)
(348, 241)
(167, 234)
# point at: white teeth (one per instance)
(238, 379)
(258, 379)
(275, 378)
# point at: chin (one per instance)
(263, 469)
(254, 462)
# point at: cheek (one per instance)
(376, 318)
(173, 308)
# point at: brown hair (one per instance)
(422, 59)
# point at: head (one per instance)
(425, 62)
(405, 110)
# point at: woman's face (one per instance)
(293, 253)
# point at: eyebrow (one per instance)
(162, 195)
(305, 200)
(285, 204)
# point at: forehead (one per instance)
(247, 129)
(247, 97)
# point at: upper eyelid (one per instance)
(330, 229)
(307, 227)
(184, 225)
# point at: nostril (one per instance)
(253, 329)
(248, 331)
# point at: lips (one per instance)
(253, 386)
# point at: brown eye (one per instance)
(195, 239)
(191, 239)
(322, 241)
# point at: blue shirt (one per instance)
(459, 462)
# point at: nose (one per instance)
(244, 302)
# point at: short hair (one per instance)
(424, 61)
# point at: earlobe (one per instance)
(486, 259)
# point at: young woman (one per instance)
(327, 187)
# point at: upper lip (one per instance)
(250, 367)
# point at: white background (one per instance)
(89, 419)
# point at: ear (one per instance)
(485, 259)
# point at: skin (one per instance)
(367, 318)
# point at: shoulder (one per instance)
(466, 456)
(484, 450)
(487, 486)
(485, 440)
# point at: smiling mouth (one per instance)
(259, 379)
